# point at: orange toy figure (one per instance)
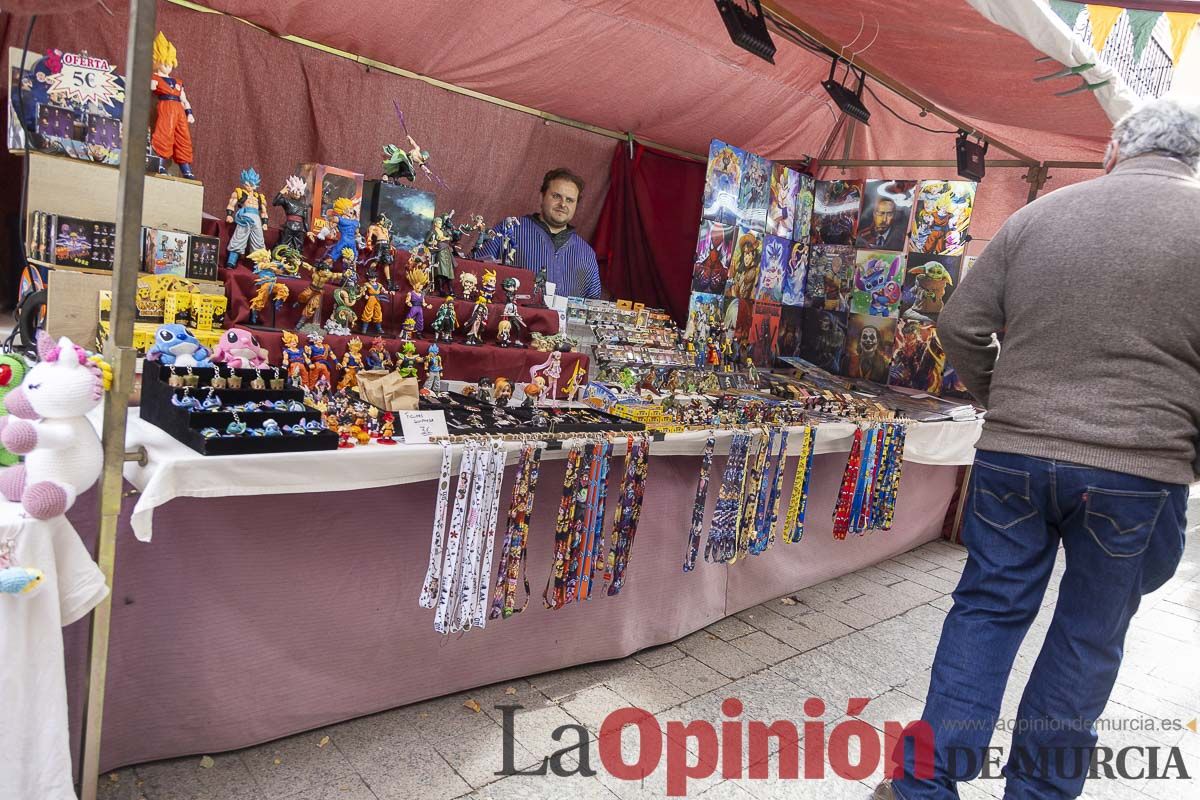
(270, 287)
(310, 296)
(372, 313)
(352, 362)
(171, 138)
(387, 428)
(293, 360)
(317, 358)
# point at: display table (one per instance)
(279, 593)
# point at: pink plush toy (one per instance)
(239, 349)
(47, 425)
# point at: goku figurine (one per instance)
(171, 138)
(317, 358)
(247, 211)
(293, 360)
(352, 362)
(310, 298)
(266, 278)
(379, 239)
(372, 313)
(291, 199)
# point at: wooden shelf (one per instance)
(91, 271)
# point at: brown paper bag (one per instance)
(388, 390)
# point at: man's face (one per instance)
(869, 340)
(559, 202)
(885, 214)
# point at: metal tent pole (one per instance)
(118, 349)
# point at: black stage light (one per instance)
(970, 157)
(747, 27)
(849, 101)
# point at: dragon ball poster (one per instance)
(747, 257)
(723, 182)
(773, 269)
(764, 328)
(876, 286)
(794, 274)
(823, 339)
(827, 284)
(755, 192)
(802, 226)
(887, 207)
(928, 283)
(835, 211)
(918, 361)
(791, 330)
(714, 255)
(941, 218)
(869, 343)
(781, 211)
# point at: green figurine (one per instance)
(407, 361)
(344, 297)
(12, 372)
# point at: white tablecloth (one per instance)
(175, 470)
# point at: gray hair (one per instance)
(1170, 127)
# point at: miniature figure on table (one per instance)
(400, 164)
(469, 284)
(171, 138)
(266, 278)
(504, 333)
(549, 370)
(407, 360)
(508, 231)
(291, 199)
(752, 372)
(476, 225)
(446, 321)
(476, 324)
(247, 212)
(352, 362)
(174, 345)
(539, 288)
(418, 279)
(433, 369)
(372, 313)
(344, 297)
(487, 286)
(440, 244)
(293, 360)
(318, 358)
(289, 260)
(378, 356)
(408, 330)
(379, 239)
(387, 428)
(346, 216)
(310, 298)
(577, 381)
(510, 287)
(325, 231)
(502, 391)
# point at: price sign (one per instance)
(420, 426)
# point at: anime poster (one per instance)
(835, 211)
(764, 329)
(794, 273)
(772, 270)
(918, 361)
(802, 227)
(703, 310)
(887, 206)
(741, 329)
(755, 192)
(781, 211)
(823, 339)
(714, 255)
(747, 256)
(869, 344)
(791, 329)
(827, 284)
(723, 182)
(876, 286)
(941, 217)
(928, 283)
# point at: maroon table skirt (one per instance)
(253, 618)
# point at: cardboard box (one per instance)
(203, 258)
(164, 252)
(326, 184)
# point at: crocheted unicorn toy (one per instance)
(62, 453)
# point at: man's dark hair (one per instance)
(562, 173)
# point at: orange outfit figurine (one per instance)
(372, 313)
(171, 137)
(352, 362)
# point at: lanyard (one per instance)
(689, 559)
(793, 526)
(450, 568)
(429, 588)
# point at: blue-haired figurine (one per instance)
(247, 211)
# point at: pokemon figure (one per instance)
(171, 138)
(247, 211)
(175, 346)
(239, 349)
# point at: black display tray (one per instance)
(185, 424)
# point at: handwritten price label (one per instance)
(421, 426)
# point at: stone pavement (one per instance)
(871, 633)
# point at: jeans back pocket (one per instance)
(1001, 495)
(1122, 521)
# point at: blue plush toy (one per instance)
(20, 580)
(175, 346)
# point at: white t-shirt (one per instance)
(35, 750)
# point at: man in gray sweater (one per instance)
(1089, 442)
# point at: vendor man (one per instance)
(548, 239)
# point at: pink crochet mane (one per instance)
(55, 353)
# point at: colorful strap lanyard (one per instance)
(450, 567)
(841, 509)
(555, 583)
(626, 520)
(722, 529)
(429, 588)
(749, 497)
(793, 526)
(693, 547)
(513, 564)
(479, 607)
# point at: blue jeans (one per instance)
(1123, 538)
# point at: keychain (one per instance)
(15, 579)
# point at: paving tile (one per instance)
(122, 784)
(730, 628)
(657, 656)
(792, 632)
(417, 771)
(849, 615)
(727, 790)
(915, 561)
(186, 779)
(532, 787)
(692, 676)
(534, 727)
(478, 757)
(592, 706)
(944, 603)
(644, 688)
(764, 647)
(565, 682)
(288, 766)
(828, 678)
(351, 788)
(720, 655)
(880, 576)
(923, 577)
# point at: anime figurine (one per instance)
(291, 199)
(407, 361)
(293, 360)
(932, 280)
(175, 346)
(352, 362)
(477, 226)
(239, 349)
(502, 392)
(289, 260)
(379, 239)
(378, 356)
(446, 321)
(469, 284)
(247, 212)
(317, 359)
(344, 298)
(418, 279)
(310, 298)
(512, 315)
(266, 278)
(433, 369)
(387, 428)
(171, 138)
(504, 333)
(477, 322)
(539, 288)
(372, 313)
(576, 383)
(408, 330)
(400, 164)
(346, 220)
(508, 253)
(534, 389)
(712, 355)
(487, 287)
(549, 370)
(510, 287)
(752, 372)
(325, 231)
(439, 241)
